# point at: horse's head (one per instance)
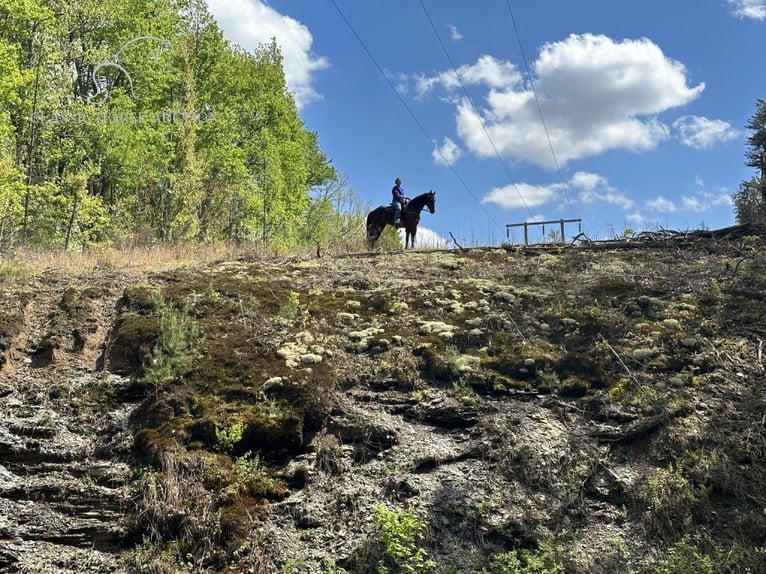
(431, 201)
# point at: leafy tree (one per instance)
(750, 199)
(749, 205)
(135, 120)
(11, 190)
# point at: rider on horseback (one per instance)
(399, 201)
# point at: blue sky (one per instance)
(622, 114)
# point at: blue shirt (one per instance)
(398, 193)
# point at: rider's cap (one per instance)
(398, 180)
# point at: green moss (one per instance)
(443, 330)
(523, 361)
(130, 343)
(138, 298)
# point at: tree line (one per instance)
(127, 122)
(750, 198)
(135, 121)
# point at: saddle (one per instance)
(390, 214)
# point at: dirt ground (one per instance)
(589, 408)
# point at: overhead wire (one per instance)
(473, 107)
(539, 107)
(411, 113)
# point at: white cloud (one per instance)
(588, 181)
(455, 33)
(590, 188)
(661, 204)
(596, 94)
(250, 23)
(755, 9)
(595, 188)
(698, 202)
(427, 238)
(487, 71)
(702, 133)
(637, 219)
(522, 195)
(447, 154)
(705, 201)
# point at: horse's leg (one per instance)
(373, 233)
(372, 236)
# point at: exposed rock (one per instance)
(582, 408)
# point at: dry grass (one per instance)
(139, 260)
(174, 507)
(24, 263)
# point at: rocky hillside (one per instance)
(589, 409)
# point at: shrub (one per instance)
(400, 531)
(228, 437)
(172, 354)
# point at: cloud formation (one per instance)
(525, 195)
(596, 94)
(698, 202)
(593, 189)
(487, 71)
(755, 9)
(446, 154)
(250, 23)
(588, 187)
(701, 133)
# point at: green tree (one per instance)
(11, 189)
(749, 205)
(135, 120)
(750, 199)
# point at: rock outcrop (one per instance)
(565, 409)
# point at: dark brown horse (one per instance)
(381, 216)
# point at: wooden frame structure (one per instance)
(526, 225)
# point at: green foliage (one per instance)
(11, 185)
(334, 219)
(699, 553)
(524, 561)
(136, 120)
(748, 201)
(684, 557)
(228, 437)
(291, 310)
(245, 470)
(172, 355)
(390, 239)
(11, 272)
(750, 198)
(400, 532)
(671, 503)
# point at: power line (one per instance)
(411, 113)
(473, 107)
(539, 107)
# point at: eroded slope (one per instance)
(593, 410)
